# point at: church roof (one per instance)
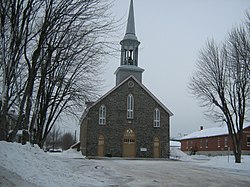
(140, 84)
(130, 31)
(129, 68)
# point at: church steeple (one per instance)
(129, 52)
(130, 31)
(129, 44)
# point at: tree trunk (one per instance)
(3, 114)
(4, 98)
(238, 148)
(237, 157)
(24, 118)
(3, 127)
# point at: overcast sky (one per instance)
(171, 33)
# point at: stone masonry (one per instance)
(117, 123)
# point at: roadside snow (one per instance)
(70, 168)
(176, 153)
(70, 153)
(39, 167)
(225, 162)
(220, 162)
(10, 179)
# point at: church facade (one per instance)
(128, 121)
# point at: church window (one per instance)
(102, 115)
(131, 84)
(130, 106)
(156, 117)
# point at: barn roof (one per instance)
(210, 132)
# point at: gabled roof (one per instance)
(210, 132)
(140, 84)
(75, 145)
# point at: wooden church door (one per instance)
(156, 147)
(129, 144)
(100, 147)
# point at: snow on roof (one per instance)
(210, 132)
(19, 132)
(175, 144)
(75, 144)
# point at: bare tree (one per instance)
(248, 30)
(62, 48)
(69, 73)
(221, 83)
(67, 140)
(54, 140)
(15, 16)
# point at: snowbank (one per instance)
(220, 162)
(39, 167)
(69, 168)
(176, 153)
(225, 162)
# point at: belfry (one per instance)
(129, 52)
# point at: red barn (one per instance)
(214, 141)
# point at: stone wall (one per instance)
(117, 123)
(83, 136)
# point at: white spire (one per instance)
(130, 31)
(129, 52)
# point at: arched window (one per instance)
(102, 115)
(157, 118)
(130, 106)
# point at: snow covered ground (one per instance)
(30, 166)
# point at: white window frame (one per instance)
(248, 142)
(157, 118)
(130, 106)
(218, 141)
(226, 142)
(206, 143)
(102, 115)
(201, 143)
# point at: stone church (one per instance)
(128, 121)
